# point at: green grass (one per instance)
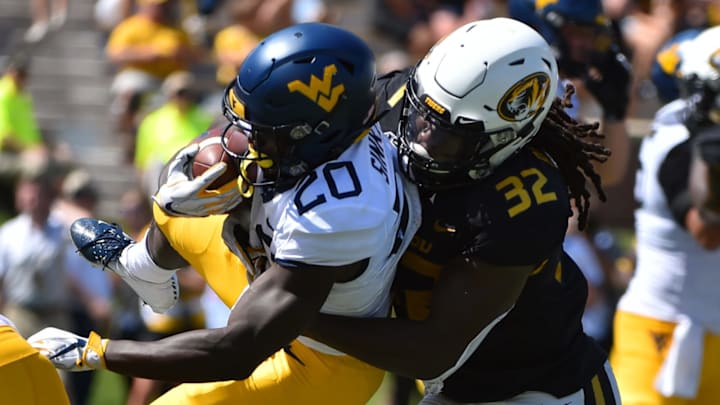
(109, 389)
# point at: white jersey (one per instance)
(357, 207)
(674, 274)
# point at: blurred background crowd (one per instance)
(96, 95)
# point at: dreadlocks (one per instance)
(569, 144)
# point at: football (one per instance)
(212, 152)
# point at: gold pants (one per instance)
(26, 377)
(639, 349)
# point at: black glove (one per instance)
(608, 79)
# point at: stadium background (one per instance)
(70, 80)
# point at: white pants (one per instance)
(595, 394)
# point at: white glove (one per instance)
(186, 197)
(68, 351)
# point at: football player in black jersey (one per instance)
(488, 304)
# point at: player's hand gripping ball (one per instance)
(202, 178)
(211, 152)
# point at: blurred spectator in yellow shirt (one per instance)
(150, 42)
(252, 20)
(165, 130)
(18, 128)
(233, 43)
(147, 47)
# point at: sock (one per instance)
(137, 261)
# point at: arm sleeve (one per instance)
(673, 178)
(390, 90)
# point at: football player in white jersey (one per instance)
(328, 209)
(26, 378)
(667, 328)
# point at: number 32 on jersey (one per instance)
(524, 190)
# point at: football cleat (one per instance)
(102, 243)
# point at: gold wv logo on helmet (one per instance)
(322, 92)
(525, 98)
(236, 105)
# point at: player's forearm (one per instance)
(267, 316)
(616, 139)
(711, 203)
(705, 231)
(405, 347)
(195, 356)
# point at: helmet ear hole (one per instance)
(348, 66)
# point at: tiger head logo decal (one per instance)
(525, 98)
(715, 59)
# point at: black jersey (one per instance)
(517, 216)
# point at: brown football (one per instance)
(212, 152)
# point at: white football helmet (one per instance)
(478, 96)
(699, 73)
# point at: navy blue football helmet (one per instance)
(664, 70)
(559, 12)
(302, 97)
(551, 17)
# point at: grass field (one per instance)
(109, 389)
